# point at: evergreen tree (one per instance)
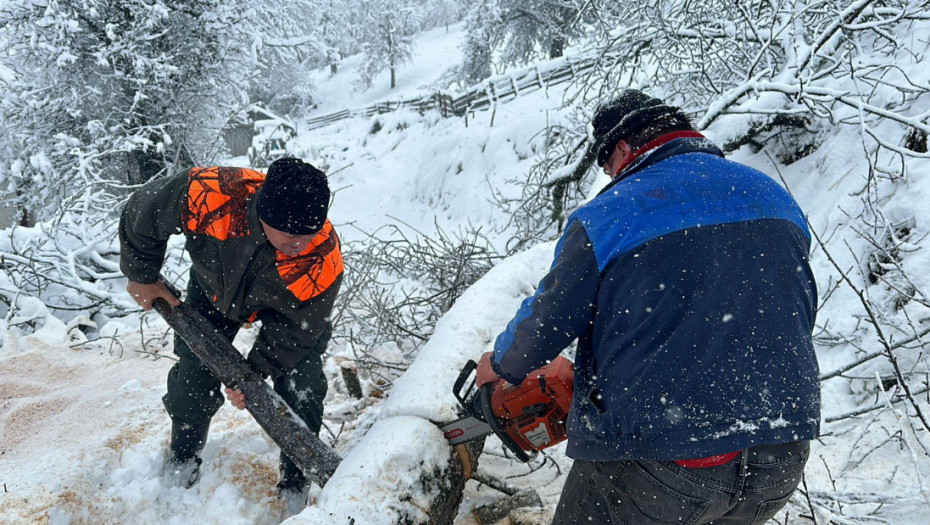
(483, 29)
(387, 27)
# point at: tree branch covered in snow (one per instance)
(398, 285)
(753, 63)
(553, 188)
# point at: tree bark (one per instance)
(452, 482)
(350, 376)
(317, 460)
(499, 510)
(557, 47)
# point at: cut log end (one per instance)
(451, 482)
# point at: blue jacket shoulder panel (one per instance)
(680, 192)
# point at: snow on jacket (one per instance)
(687, 283)
(248, 279)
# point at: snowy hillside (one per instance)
(83, 432)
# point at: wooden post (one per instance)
(350, 376)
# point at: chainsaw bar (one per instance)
(465, 429)
(472, 426)
(526, 417)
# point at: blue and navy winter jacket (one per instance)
(686, 282)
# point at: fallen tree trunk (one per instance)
(317, 460)
(402, 469)
(463, 463)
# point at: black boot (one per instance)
(293, 487)
(188, 438)
(182, 469)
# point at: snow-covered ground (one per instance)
(83, 432)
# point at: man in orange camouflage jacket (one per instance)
(262, 250)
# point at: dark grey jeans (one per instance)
(748, 490)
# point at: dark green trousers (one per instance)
(194, 393)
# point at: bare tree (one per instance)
(387, 30)
(399, 282)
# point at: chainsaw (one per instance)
(526, 417)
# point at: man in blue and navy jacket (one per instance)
(687, 284)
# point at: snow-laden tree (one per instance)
(537, 28)
(333, 33)
(108, 93)
(288, 39)
(386, 28)
(483, 30)
(766, 74)
(98, 96)
(440, 12)
(770, 62)
(517, 32)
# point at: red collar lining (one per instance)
(653, 144)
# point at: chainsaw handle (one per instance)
(484, 395)
(467, 370)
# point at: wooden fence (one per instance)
(479, 97)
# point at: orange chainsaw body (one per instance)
(534, 412)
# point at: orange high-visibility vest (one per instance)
(316, 269)
(216, 201)
(217, 206)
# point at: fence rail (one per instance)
(479, 97)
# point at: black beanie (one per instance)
(622, 117)
(294, 197)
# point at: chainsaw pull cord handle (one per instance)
(484, 396)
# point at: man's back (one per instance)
(703, 314)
